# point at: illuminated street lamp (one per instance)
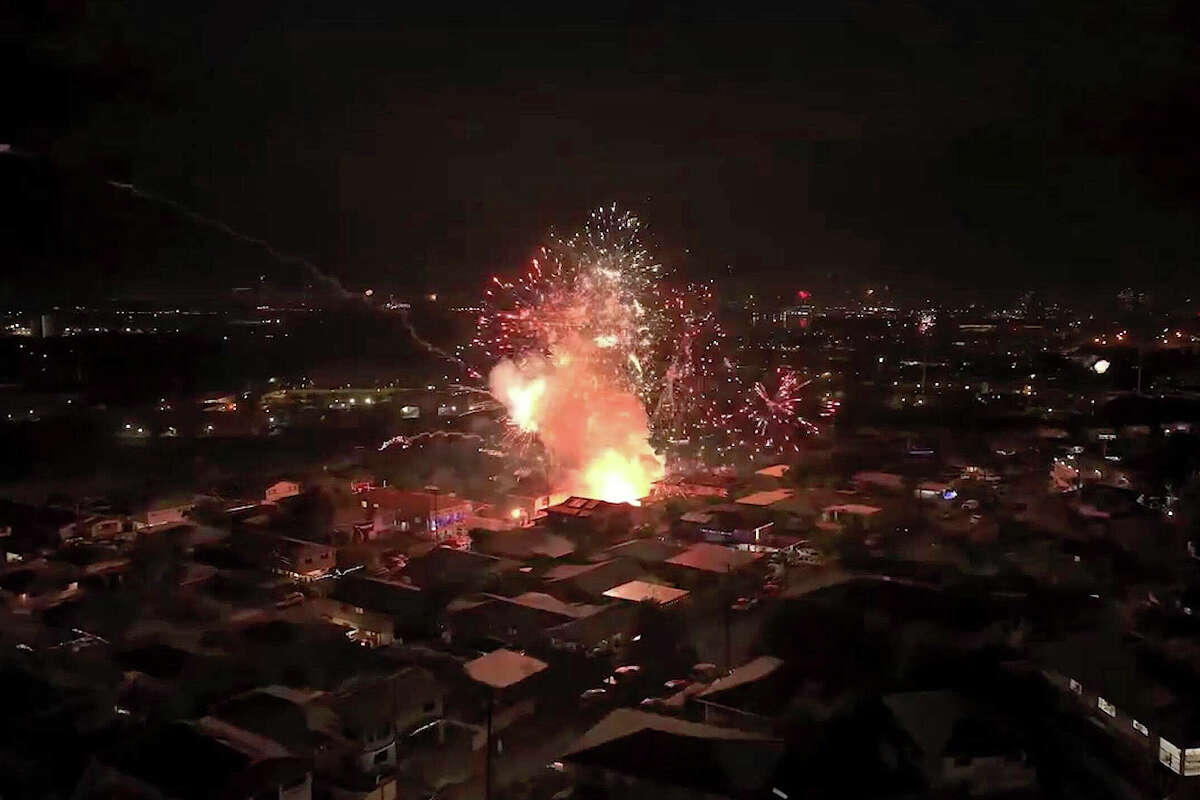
(1101, 366)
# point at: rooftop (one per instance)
(883, 480)
(528, 543)
(773, 471)
(751, 671)
(644, 591)
(584, 507)
(714, 558)
(503, 668)
(647, 551)
(766, 498)
(545, 602)
(675, 752)
(853, 508)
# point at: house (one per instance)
(714, 558)
(194, 759)
(748, 697)
(647, 552)
(511, 685)
(279, 490)
(298, 559)
(775, 472)
(934, 491)
(526, 544)
(590, 582)
(1113, 683)
(289, 717)
(530, 507)
(958, 748)
(488, 517)
(591, 522)
(886, 482)
(377, 712)
(456, 571)
(524, 621)
(647, 592)
(633, 754)
(368, 628)
(410, 608)
(696, 485)
(25, 529)
(430, 513)
(99, 526)
(38, 585)
(744, 524)
(765, 498)
(838, 516)
(162, 511)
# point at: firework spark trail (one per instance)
(280, 256)
(430, 347)
(405, 442)
(228, 230)
(773, 412)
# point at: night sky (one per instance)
(921, 143)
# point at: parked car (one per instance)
(705, 672)
(677, 684)
(626, 673)
(592, 697)
(745, 604)
(602, 648)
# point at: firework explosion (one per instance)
(699, 388)
(572, 344)
(777, 424)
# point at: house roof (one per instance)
(766, 498)
(751, 671)
(413, 502)
(698, 479)
(884, 480)
(676, 752)
(584, 507)
(595, 579)
(857, 509)
(446, 566)
(503, 668)
(647, 551)
(928, 718)
(378, 594)
(645, 591)
(773, 471)
(624, 721)
(529, 542)
(714, 558)
(1112, 667)
(545, 602)
(276, 717)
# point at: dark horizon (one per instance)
(907, 143)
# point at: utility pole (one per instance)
(728, 621)
(487, 763)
